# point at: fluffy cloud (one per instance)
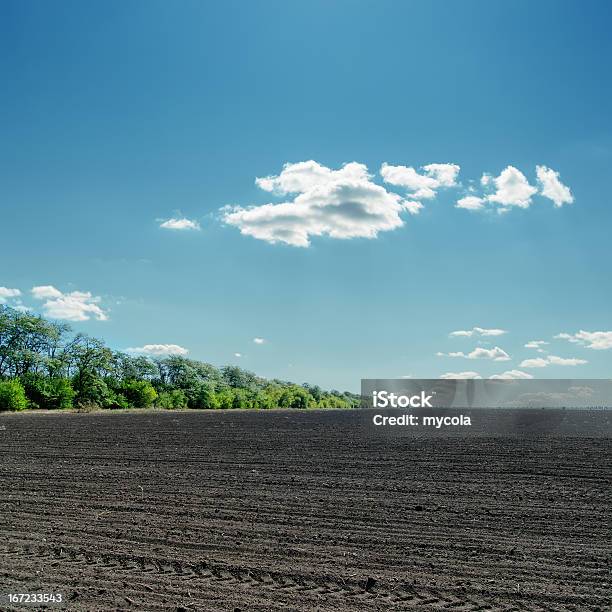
(73, 306)
(158, 350)
(414, 208)
(538, 362)
(5, 293)
(304, 176)
(347, 203)
(552, 188)
(512, 188)
(259, 340)
(512, 375)
(537, 345)
(477, 331)
(237, 354)
(496, 354)
(542, 362)
(180, 224)
(422, 186)
(554, 360)
(471, 203)
(599, 340)
(340, 204)
(461, 375)
(46, 291)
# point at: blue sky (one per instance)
(119, 116)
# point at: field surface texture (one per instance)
(300, 511)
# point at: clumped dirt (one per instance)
(299, 511)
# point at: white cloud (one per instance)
(477, 331)
(542, 362)
(552, 188)
(414, 208)
(340, 204)
(180, 224)
(554, 360)
(73, 306)
(461, 375)
(599, 340)
(512, 188)
(158, 350)
(304, 176)
(5, 293)
(46, 291)
(496, 354)
(471, 203)
(421, 185)
(259, 340)
(237, 354)
(445, 174)
(537, 345)
(538, 362)
(512, 375)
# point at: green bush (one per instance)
(91, 389)
(117, 400)
(12, 395)
(171, 399)
(295, 397)
(48, 393)
(139, 393)
(204, 398)
(225, 398)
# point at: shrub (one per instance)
(87, 407)
(204, 398)
(171, 399)
(12, 395)
(225, 398)
(91, 389)
(139, 393)
(48, 393)
(117, 400)
(295, 397)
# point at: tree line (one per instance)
(44, 365)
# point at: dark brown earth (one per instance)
(299, 511)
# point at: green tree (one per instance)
(205, 398)
(295, 397)
(12, 395)
(238, 378)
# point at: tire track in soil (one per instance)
(205, 572)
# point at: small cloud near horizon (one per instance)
(496, 354)
(180, 224)
(158, 350)
(460, 375)
(477, 331)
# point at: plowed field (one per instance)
(300, 511)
